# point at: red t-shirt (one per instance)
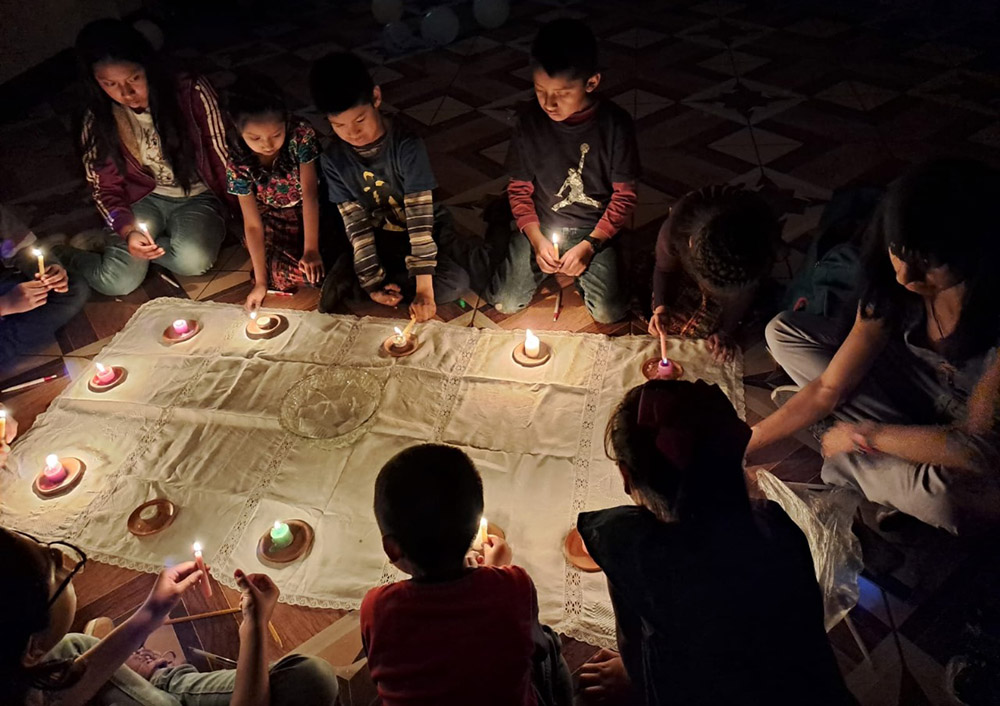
(467, 641)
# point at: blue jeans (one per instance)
(190, 231)
(295, 680)
(517, 278)
(23, 334)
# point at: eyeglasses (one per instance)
(69, 555)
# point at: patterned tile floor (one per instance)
(796, 98)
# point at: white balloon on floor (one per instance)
(491, 13)
(439, 26)
(397, 37)
(151, 31)
(386, 11)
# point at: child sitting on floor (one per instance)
(573, 164)
(272, 171)
(378, 174)
(457, 632)
(711, 254)
(715, 596)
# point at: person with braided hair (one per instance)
(711, 253)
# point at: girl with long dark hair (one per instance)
(42, 663)
(715, 595)
(154, 152)
(272, 171)
(915, 386)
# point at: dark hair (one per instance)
(24, 610)
(702, 475)
(108, 41)
(340, 81)
(249, 100)
(430, 499)
(733, 233)
(942, 212)
(565, 47)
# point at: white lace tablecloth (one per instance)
(197, 423)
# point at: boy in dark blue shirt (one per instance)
(573, 166)
(378, 175)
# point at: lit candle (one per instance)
(3, 427)
(54, 471)
(663, 349)
(105, 375)
(665, 369)
(531, 344)
(399, 340)
(409, 326)
(281, 535)
(206, 587)
(253, 315)
(266, 322)
(41, 261)
(181, 327)
(555, 243)
(143, 227)
(482, 539)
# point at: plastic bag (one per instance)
(825, 517)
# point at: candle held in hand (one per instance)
(41, 261)
(181, 327)
(105, 375)
(206, 587)
(143, 227)
(531, 344)
(281, 535)
(54, 471)
(482, 539)
(555, 244)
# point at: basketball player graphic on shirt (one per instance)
(574, 183)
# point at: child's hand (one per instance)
(142, 245)
(496, 552)
(545, 256)
(24, 297)
(311, 265)
(256, 297)
(169, 587)
(423, 308)
(55, 279)
(389, 295)
(260, 595)
(604, 680)
(659, 322)
(575, 260)
(722, 347)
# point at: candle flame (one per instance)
(3, 415)
(36, 252)
(398, 331)
(530, 339)
(52, 461)
(143, 227)
(253, 314)
(555, 238)
(277, 524)
(196, 547)
(101, 368)
(483, 524)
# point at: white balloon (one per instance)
(491, 13)
(152, 33)
(439, 26)
(386, 11)
(397, 37)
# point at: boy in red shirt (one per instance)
(465, 628)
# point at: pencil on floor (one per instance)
(558, 306)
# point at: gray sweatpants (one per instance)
(900, 389)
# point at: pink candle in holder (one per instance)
(665, 369)
(105, 375)
(54, 471)
(181, 327)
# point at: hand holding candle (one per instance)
(482, 538)
(206, 586)
(409, 327)
(555, 244)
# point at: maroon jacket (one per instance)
(115, 192)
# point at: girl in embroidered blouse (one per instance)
(272, 171)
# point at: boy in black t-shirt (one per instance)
(379, 176)
(573, 165)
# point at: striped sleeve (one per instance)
(213, 115)
(106, 183)
(419, 208)
(362, 238)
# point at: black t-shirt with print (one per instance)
(573, 167)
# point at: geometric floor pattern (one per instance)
(793, 98)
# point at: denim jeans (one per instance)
(23, 334)
(189, 229)
(897, 390)
(517, 278)
(295, 681)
